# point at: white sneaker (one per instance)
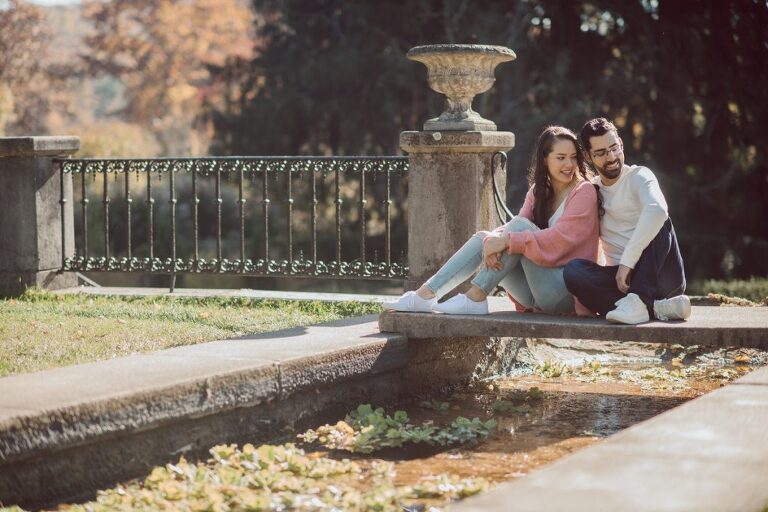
(461, 305)
(410, 301)
(676, 308)
(629, 310)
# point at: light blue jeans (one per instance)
(530, 284)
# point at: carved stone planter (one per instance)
(460, 71)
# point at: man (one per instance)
(644, 276)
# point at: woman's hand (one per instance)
(493, 246)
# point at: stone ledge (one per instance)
(715, 326)
(60, 145)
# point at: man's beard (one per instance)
(610, 174)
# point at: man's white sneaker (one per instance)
(410, 301)
(461, 305)
(675, 308)
(629, 310)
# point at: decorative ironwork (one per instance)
(295, 181)
(501, 206)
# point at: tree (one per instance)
(680, 78)
(24, 38)
(160, 50)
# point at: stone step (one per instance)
(723, 326)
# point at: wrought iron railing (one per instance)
(294, 216)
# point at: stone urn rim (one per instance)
(485, 49)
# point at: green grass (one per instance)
(754, 289)
(42, 330)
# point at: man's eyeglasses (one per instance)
(615, 149)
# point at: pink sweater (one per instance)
(574, 235)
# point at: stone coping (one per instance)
(708, 325)
(49, 145)
(447, 141)
(710, 454)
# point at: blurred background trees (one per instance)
(160, 50)
(684, 80)
(24, 40)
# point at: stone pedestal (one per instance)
(450, 193)
(31, 221)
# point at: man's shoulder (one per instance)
(640, 173)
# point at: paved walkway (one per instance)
(239, 293)
(708, 325)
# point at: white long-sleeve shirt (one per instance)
(635, 211)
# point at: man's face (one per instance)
(607, 155)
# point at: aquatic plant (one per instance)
(366, 430)
(551, 369)
(435, 405)
(274, 477)
(593, 371)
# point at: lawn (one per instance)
(42, 330)
(754, 289)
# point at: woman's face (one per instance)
(562, 163)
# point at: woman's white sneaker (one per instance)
(675, 308)
(461, 305)
(411, 302)
(629, 310)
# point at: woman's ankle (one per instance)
(425, 293)
(476, 294)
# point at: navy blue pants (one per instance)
(658, 274)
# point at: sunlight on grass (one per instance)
(43, 330)
(754, 289)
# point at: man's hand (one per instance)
(493, 246)
(623, 275)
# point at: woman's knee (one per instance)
(519, 224)
(554, 303)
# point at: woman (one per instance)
(557, 223)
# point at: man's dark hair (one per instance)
(595, 128)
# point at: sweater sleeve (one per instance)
(525, 211)
(652, 217)
(559, 243)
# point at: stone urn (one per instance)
(460, 71)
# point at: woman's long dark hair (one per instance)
(538, 174)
